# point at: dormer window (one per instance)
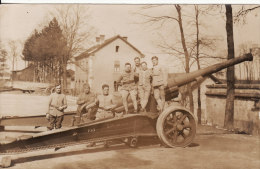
(117, 48)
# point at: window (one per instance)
(117, 48)
(117, 66)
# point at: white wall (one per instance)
(103, 63)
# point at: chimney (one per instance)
(125, 38)
(98, 40)
(102, 39)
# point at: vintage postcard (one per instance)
(117, 86)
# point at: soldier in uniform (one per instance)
(57, 104)
(144, 85)
(105, 104)
(159, 83)
(127, 81)
(83, 102)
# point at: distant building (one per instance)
(5, 76)
(103, 62)
(26, 74)
(249, 71)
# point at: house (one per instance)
(5, 75)
(103, 62)
(26, 74)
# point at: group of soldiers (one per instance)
(138, 81)
(141, 81)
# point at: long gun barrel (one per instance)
(190, 77)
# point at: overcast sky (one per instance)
(17, 21)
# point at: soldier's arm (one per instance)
(92, 102)
(65, 105)
(80, 100)
(112, 104)
(119, 79)
(49, 104)
(90, 105)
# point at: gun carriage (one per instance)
(175, 126)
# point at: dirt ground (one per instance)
(209, 150)
(212, 148)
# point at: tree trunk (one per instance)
(187, 59)
(229, 113)
(64, 71)
(198, 61)
(64, 75)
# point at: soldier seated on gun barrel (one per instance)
(84, 101)
(105, 104)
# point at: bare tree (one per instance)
(229, 111)
(197, 12)
(76, 30)
(244, 11)
(13, 46)
(201, 42)
(3, 59)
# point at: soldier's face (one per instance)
(106, 91)
(137, 62)
(155, 62)
(127, 68)
(58, 90)
(144, 66)
(86, 90)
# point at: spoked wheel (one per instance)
(176, 127)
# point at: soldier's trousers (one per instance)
(55, 122)
(91, 112)
(125, 94)
(144, 93)
(159, 95)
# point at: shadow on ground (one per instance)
(121, 159)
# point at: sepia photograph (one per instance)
(129, 86)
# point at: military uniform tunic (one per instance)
(127, 80)
(57, 100)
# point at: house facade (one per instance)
(103, 63)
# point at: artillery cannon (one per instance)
(175, 126)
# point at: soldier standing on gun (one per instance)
(159, 83)
(83, 102)
(144, 86)
(57, 104)
(128, 87)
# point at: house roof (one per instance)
(28, 67)
(98, 47)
